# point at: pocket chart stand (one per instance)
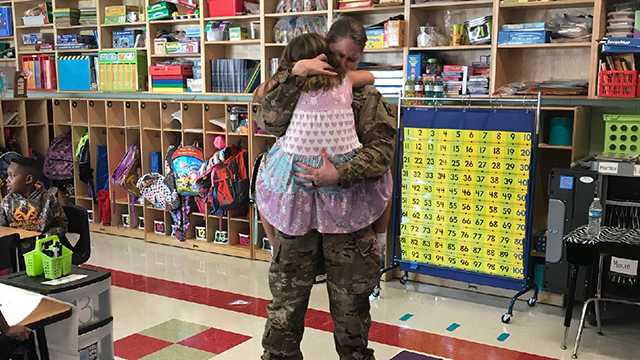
(463, 196)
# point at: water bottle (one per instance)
(595, 218)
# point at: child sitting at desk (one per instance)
(11, 337)
(28, 205)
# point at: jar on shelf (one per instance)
(427, 36)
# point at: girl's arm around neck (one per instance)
(360, 78)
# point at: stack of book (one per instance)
(66, 16)
(355, 4)
(88, 16)
(478, 83)
(388, 82)
(454, 78)
(170, 77)
(235, 75)
(40, 70)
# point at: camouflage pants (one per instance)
(351, 264)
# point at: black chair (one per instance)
(9, 253)
(78, 224)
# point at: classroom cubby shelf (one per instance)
(508, 63)
(149, 123)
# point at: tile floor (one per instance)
(171, 303)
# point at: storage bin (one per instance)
(243, 239)
(618, 83)
(225, 7)
(6, 21)
(97, 343)
(622, 134)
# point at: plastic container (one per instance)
(560, 131)
(225, 7)
(57, 267)
(622, 134)
(617, 83)
(244, 239)
(38, 263)
(97, 343)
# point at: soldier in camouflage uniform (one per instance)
(351, 260)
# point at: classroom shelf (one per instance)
(229, 42)
(77, 51)
(372, 10)
(547, 46)
(300, 13)
(555, 147)
(236, 18)
(175, 55)
(452, 48)
(453, 4)
(44, 26)
(547, 4)
(79, 27)
(174, 21)
(384, 50)
(132, 24)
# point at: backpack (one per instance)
(230, 182)
(84, 163)
(155, 190)
(186, 162)
(58, 162)
(126, 173)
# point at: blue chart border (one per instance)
(515, 120)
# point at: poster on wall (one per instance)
(465, 193)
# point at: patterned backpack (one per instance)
(155, 190)
(126, 173)
(58, 162)
(186, 162)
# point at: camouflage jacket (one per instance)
(40, 211)
(375, 125)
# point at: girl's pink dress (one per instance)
(321, 120)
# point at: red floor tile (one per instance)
(215, 340)
(136, 346)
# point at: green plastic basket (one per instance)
(622, 134)
(60, 266)
(38, 263)
(33, 260)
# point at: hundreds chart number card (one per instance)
(465, 194)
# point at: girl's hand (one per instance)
(315, 66)
(326, 175)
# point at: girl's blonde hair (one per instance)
(309, 46)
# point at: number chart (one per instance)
(464, 181)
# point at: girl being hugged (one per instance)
(322, 128)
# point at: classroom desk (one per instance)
(48, 311)
(24, 234)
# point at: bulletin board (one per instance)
(465, 194)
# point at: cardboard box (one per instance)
(118, 14)
(415, 64)
(238, 33)
(523, 37)
(160, 46)
(375, 38)
(125, 39)
(394, 33)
